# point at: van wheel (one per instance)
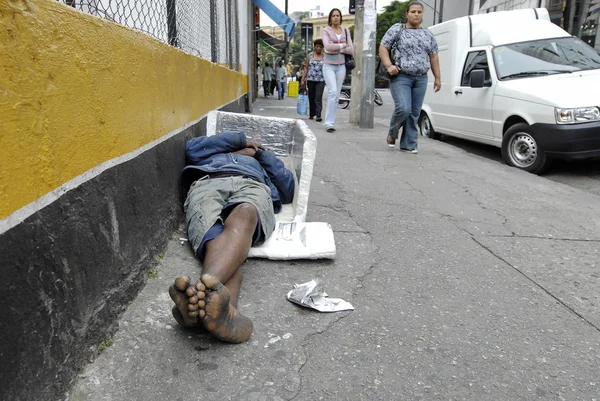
(425, 127)
(521, 150)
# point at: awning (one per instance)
(285, 22)
(271, 41)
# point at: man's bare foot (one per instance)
(218, 316)
(188, 300)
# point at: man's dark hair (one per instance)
(266, 63)
(331, 13)
(318, 42)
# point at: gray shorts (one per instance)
(208, 199)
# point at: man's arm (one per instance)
(282, 178)
(200, 148)
(435, 69)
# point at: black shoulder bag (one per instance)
(381, 70)
(349, 59)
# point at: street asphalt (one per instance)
(470, 281)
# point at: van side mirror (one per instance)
(477, 78)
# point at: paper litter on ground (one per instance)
(312, 295)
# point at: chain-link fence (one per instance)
(204, 28)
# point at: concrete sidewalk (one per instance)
(470, 279)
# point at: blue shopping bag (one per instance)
(302, 105)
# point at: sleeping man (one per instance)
(233, 188)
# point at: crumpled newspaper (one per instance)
(312, 295)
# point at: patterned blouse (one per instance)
(315, 70)
(410, 48)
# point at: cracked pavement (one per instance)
(470, 280)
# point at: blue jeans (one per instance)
(408, 92)
(334, 75)
(280, 89)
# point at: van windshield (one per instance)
(544, 57)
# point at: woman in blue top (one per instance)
(313, 78)
(408, 53)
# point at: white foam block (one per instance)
(297, 240)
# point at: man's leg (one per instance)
(224, 248)
(226, 253)
(222, 276)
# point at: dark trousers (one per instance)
(267, 87)
(315, 97)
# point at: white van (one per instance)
(515, 80)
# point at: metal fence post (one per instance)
(214, 34)
(236, 35)
(172, 23)
(228, 36)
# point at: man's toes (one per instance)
(177, 296)
(211, 282)
(182, 283)
(190, 292)
(200, 287)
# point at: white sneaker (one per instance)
(413, 151)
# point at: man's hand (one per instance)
(255, 146)
(437, 85)
(393, 70)
(247, 152)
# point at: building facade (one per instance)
(578, 17)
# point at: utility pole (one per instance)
(285, 49)
(363, 76)
(356, 84)
(441, 12)
(571, 27)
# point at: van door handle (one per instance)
(458, 92)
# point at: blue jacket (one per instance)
(212, 154)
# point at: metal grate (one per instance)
(204, 28)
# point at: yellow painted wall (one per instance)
(76, 91)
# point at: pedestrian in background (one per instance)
(288, 68)
(281, 76)
(313, 78)
(337, 42)
(267, 74)
(407, 53)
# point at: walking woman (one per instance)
(408, 52)
(313, 77)
(337, 43)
